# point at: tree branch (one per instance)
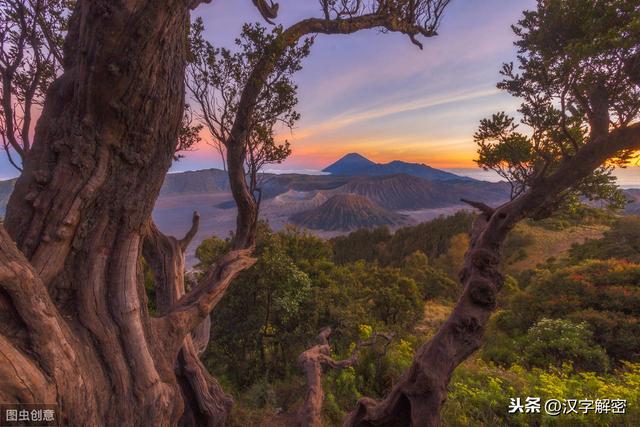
(49, 335)
(195, 3)
(165, 259)
(165, 256)
(311, 361)
(186, 240)
(23, 286)
(21, 379)
(268, 11)
(599, 112)
(632, 68)
(485, 209)
(193, 308)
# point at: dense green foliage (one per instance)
(479, 395)
(568, 328)
(622, 241)
(552, 342)
(431, 238)
(274, 310)
(605, 295)
(434, 283)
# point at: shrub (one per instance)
(604, 294)
(479, 395)
(552, 342)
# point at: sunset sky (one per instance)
(380, 95)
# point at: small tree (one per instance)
(31, 35)
(216, 78)
(552, 342)
(411, 17)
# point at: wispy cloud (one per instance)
(378, 94)
(350, 118)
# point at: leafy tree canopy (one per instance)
(217, 77)
(574, 74)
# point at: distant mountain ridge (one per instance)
(379, 198)
(633, 196)
(355, 164)
(6, 188)
(195, 182)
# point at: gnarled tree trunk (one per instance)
(311, 362)
(206, 402)
(75, 326)
(417, 398)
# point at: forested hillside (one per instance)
(580, 339)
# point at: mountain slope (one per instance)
(633, 195)
(273, 185)
(351, 164)
(347, 212)
(354, 164)
(6, 188)
(195, 182)
(406, 192)
(398, 191)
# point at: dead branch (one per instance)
(482, 207)
(186, 240)
(269, 11)
(193, 308)
(311, 361)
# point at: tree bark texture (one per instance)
(75, 329)
(206, 402)
(311, 362)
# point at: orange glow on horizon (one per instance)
(438, 154)
(430, 153)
